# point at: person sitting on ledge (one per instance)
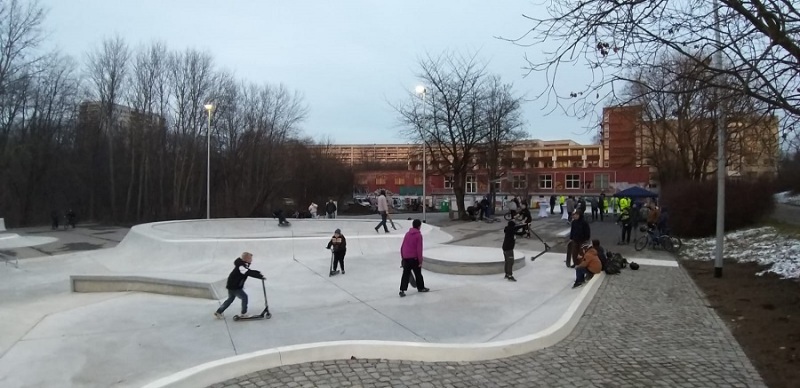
(588, 265)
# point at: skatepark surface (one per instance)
(51, 336)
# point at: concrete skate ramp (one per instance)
(463, 260)
(202, 251)
(13, 241)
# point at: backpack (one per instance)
(615, 263)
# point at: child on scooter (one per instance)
(235, 284)
(337, 245)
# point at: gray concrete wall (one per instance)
(87, 283)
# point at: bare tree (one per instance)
(191, 77)
(678, 134)
(503, 126)
(758, 42)
(108, 72)
(452, 124)
(148, 98)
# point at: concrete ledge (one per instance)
(127, 283)
(228, 368)
(463, 260)
(2, 224)
(656, 262)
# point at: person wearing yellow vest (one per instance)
(561, 201)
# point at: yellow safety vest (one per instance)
(561, 200)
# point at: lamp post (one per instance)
(209, 107)
(422, 91)
(721, 163)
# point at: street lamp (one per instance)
(209, 107)
(422, 92)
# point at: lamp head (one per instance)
(209, 106)
(420, 89)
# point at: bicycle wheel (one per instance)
(641, 243)
(666, 243)
(507, 216)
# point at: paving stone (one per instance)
(646, 328)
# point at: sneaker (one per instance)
(578, 284)
(244, 315)
(505, 277)
(218, 315)
(402, 294)
(342, 272)
(589, 276)
(511, 279)
(424, 289)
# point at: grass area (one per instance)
(783, 228)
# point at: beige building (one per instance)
(524, 154)
(752, 148)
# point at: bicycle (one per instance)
(669, 243)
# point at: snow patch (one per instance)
(763, 245)
(788, 198)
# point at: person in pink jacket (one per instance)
(411, 253)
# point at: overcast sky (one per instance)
(349, 58)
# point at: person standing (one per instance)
(579, 233)
(235, 284)
(330, 209)
(603, 205)
(411, 253)
(338, 245)
(625, 220)
(383, 209)
(312, 209)
(595, 207)
(552, 204)
(509, 241)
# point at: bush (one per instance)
(693, 206)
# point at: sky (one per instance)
(351, 59)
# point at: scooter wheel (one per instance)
(268, 315)
(235, 317)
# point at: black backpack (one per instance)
(615, 263)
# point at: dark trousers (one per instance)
(233, 294)
(332, 215)
(594, 213)
(383, 222)
(552, 208)
(580, 275)
(602, 212)
(338, 260)
(575, 251)
(509, 258)
(626, 233)
(411, 265)
(562, 209)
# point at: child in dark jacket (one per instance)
(338, 245)
(236, 281)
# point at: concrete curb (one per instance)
(232, 367)
(133, 283)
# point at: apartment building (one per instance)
(629, 140)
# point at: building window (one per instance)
(605, 164)
(601, 181)
(472, 184)
(605, 154)
(399, 181)
(573, 181)
(546, 181)
(562, 153)
(562, 164)
(448, 181)
(498, 185)
(380, 180)
(519, 182)
(549, 164)
(417, 180)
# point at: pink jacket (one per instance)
(412, 245)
